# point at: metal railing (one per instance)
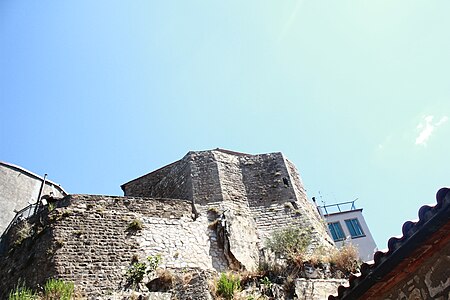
(338, 206)
(23, 214)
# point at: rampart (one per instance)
(211, 211)
(87, 240)
(266, 187)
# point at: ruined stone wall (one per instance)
(430, 281)
(87, 240)
(173, 181)
(278, 199)
(309, 212)
(268, 193)
(28, 260)
(317, 289)
(264, 188)
(182, 242)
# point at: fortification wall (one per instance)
(87, 240)
(264, 187)
(230, 176)
(310, 215)
(28, 261)
(173, 181)
(19, 188)
(205, 177)
(263, 176)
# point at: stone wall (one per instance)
(266, 180)
(87, 240)
(172, 181)
(19, 188)
(264, 187)
(317, 289)
(205, 177)
(231, 182)
(28, 260)
(430, 281)
(310, 214)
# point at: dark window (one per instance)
(285, 181)
(336, 231)
(354, 228)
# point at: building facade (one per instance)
(20, 188)
(347, 225)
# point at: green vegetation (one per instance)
(57, 289)
(21, 292)
(51, 206)
(135, 225)
(228, 285)
(289, 242)
(266, 281)
(54, 289)
(136, 272)
(153, 262)
(23, 233)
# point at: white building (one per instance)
(346, 225)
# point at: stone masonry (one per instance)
(211, 211)
(264, 187)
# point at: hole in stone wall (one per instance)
(285, 181)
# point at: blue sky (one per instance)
(355, 93)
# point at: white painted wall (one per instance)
(19, 188)
(365, 244)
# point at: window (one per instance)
(336, 231)
(354, 228)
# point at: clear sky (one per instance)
(355, 93)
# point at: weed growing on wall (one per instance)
(57, 289)
(135, 273)
(135, 225)
(289, 242)
(137, 270)
(23, 233)
(345, 259)
(54, 289)
(153, 262)
(228, 285)
(21, 292)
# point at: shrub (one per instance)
(153, 262)
(135, 273)
(289, 242)
(57, 289)
(51, 206)
(21, 292)
(228, 285)
(319, 256)
(135, 225)
(345, 259)
(23, 233)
